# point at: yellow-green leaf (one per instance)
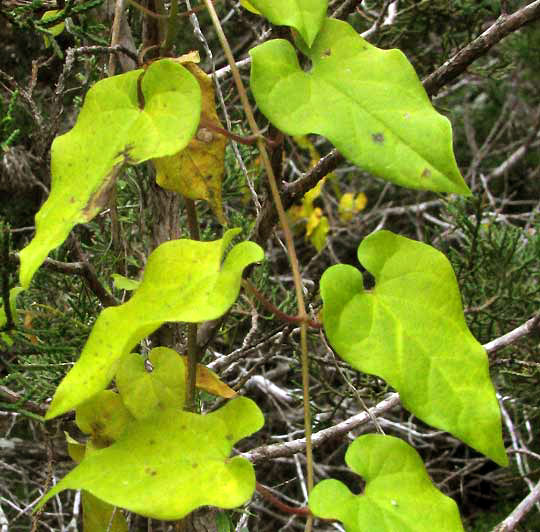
(410, 330)
(367, 101)
(104, 417)
(145, 387)
(170, 463)
(399, 495)
(98, 515)
(184, 280)
(113, 128)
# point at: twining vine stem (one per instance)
(192, 347)
(288, 240)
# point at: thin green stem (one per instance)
(172, 27)
(287, 234)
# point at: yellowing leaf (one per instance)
(197, 171)
(313, 221)
(189, 57)
(317, 225)
(208, 381)
(305, 16)
(318, 236)
(410, 330)
(349, 205)
(399, 495)
(368, 102)
(360, 202)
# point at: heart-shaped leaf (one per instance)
(184, 280)
(368, 102)
(114, 127)
(166, 465)
(144, 390)
(305, 16)
(411, 331)
(399, 495)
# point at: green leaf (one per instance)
(143, 391)
(399, 495)
(246, 5)
(104, 417)
(168, 464)
(368, 102)
(55, 30)
(410, 330)
(76, 450)
(184, 280)
(306, 16)
(97, 516)
(124, 283)
(13, 293)
(111, 130)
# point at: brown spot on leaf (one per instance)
(426, 172)
(327, 53)
(378, 138)
(102, 196)
(205, 135)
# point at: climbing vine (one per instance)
(145, 443)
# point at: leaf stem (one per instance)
(274, 310)
(287, 234)
(171, 28)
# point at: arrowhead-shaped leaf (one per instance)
(399, 495)
(368, 102)
(305, 16)
(168, 464)
(410, 331)
(184, 280)
(112, 129)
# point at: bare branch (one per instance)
(511, 337)
(83, 269)
(520, 511)
(502, 27)
(11, 397)
(289, 448)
